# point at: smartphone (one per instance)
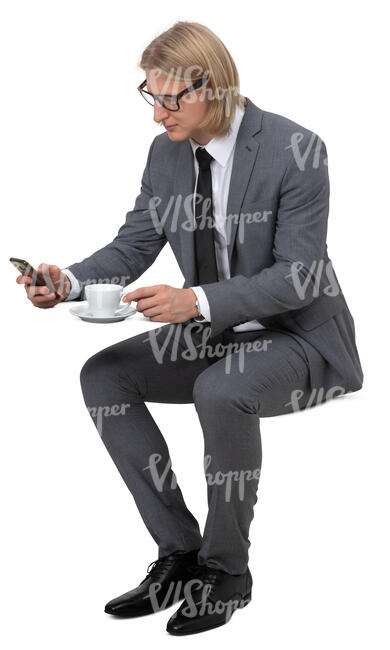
(25, 268)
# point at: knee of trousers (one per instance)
(103, 381)
(220, 394)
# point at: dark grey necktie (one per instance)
(206, 262)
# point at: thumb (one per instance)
(44, 269)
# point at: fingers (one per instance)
(24, 279)
(40, 297)
(158, 313)
(149, 303)
(34, 290)
(160, 318)
(145, 292)
(48, 304)
(45, 301)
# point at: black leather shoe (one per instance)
(162, 587)
(210, 600)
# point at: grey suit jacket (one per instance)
(276, 224)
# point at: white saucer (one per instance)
(82, 311)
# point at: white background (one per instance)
(75, 136)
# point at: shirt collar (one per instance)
(221, 147)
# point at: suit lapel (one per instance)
(243, 162)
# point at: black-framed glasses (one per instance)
(170, 102)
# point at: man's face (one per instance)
(192, 111)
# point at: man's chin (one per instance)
(176, 134)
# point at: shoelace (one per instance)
(209, 577)
(206, 575)
(159, 567)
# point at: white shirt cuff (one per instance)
(75, 288)
(204, 306)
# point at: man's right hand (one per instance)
(41, 296)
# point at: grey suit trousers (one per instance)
(254, 374)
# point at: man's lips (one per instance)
(168, 126)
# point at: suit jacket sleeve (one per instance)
(135, 247)
(300, 238)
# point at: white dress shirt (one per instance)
(221, 148)
(75, 285)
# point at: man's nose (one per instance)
(160, 113)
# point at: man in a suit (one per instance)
(259, 328)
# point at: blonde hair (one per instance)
(190, 51)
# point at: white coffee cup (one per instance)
(104, 300)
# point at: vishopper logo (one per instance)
(173, 81)
(196, 593)
(198, 603)
(175, 332)
(177, 205)
(240, 349)
(160, 480)
(317, 396)
(174, 206)
(244, 219)
(311, 278)
(173, 592)
(301, 158)
(121, 280)
(240, 476)
(100, 412)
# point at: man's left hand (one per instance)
(161, 302)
